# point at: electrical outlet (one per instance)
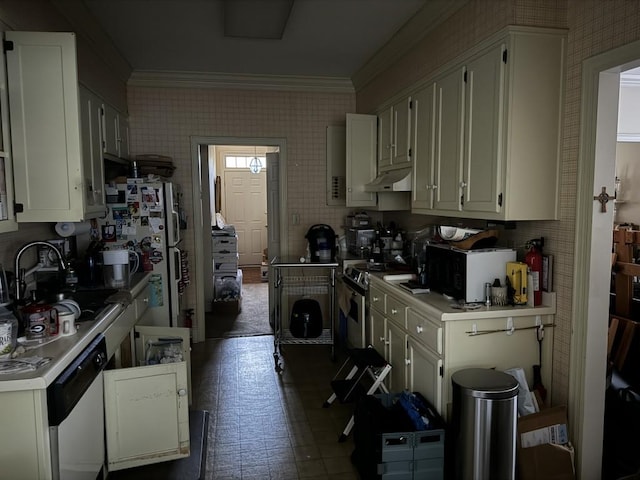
(295, 219)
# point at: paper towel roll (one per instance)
(66, 229)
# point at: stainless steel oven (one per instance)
(354, 305)
(75, 406)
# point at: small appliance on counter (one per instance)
(462, 274)
(322, 243)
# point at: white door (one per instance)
(245, 207)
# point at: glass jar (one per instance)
(8, 335)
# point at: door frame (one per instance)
(587, 382)
(198, 198)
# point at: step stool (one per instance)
(367, 364)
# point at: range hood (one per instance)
(391, 181)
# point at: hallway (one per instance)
(268, 426)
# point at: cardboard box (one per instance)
(544, 460)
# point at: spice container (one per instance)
(8, 333)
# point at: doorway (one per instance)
(593, 242)
(203, 195)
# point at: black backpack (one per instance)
(306, 318)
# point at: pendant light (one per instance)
(255, 165)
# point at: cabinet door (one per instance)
(397, 356)
(385, 138)
(146, 415)
(422, 147)
(45, 126)
(123, 137)
(424, 373)
(93, 170)
(448, 153)
(147, 338)
(482, 172)
(361, 159)
(7, 217)
(401, 127)
(379, 333)
(110, 131)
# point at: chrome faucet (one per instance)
(20, 274)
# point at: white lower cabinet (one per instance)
(379, 332)
(424, 371)
(397, 342)
(424, 350)
(147, 407)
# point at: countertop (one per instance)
(440, 308)
(63, 350)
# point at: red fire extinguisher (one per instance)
(533, 259)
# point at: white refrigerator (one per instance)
(145, 217)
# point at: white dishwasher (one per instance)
(75, 403)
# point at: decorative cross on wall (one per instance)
(603, 198)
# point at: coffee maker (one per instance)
(322, 243)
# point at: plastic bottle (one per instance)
(533, 259)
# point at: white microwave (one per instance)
(462, 274)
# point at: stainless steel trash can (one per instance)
(485, 407)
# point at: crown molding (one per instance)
(170, 79)
(417, 27)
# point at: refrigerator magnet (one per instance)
(108, 233)
(155, 256)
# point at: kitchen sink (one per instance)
(91, 301)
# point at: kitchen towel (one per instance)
(66, 229)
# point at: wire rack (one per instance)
(306, 285)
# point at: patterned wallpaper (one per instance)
(162, 120)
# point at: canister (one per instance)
(8, 335)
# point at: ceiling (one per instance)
(322, 38)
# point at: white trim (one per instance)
(168, 79)
(629, 137)
(281, 143)
(587, 406)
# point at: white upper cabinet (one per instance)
(393, 136)
(51, 181)
(449, 138)
(115, 133)
(361, 159)
(7, 217)
(497, 131)
(422, 141)
(483, 97)
(91, 119)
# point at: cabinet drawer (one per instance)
(397, 311)
(425, 331)
(377, 299)
(119, 329)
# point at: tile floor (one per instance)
(265, 425)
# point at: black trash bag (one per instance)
(306, 318)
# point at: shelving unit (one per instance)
(309, 279)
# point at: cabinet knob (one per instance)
(407, 361)
(393, 311)
(387, 342)
(182, 392)
(419, 329)
(145, 299)
(434, 186)
(375, 299)
(463, 184)
(382, 339)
